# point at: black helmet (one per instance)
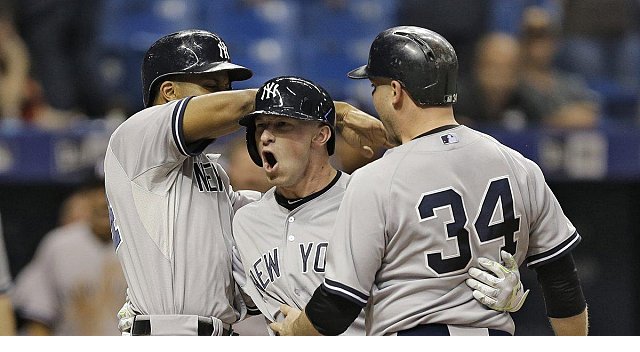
(421, 60)
(293, 97)
(187, 52)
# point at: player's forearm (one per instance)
(577, 325)
(303, 327)
(217, 114)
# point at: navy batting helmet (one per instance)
(421, 60)
(293, 97)
(183, 53)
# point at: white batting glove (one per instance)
(503, 291)
(125, 318)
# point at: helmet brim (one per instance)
(359, 73)
(236, 72)
(247, 120)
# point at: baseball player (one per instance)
(171, 205)
(283, 238)
(413, 222)
(67, 271)
(7, 321)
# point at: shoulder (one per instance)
(149, 116)
(518, 161)
(376, 175)
(255, 209)
(65, 238)
(343, 181)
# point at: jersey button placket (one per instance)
(291, 237)
(291, 247)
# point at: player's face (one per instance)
(285, 146)
(202, 84)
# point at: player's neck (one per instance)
(316, 177)
(417, 122)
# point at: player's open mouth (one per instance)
(269, 161)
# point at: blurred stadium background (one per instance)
(594, 171)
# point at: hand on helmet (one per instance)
(361, 130)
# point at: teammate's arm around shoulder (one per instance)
(215, 115)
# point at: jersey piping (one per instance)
(554, 253)
(177, 130)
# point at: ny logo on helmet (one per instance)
(270, 90)
(224, 53)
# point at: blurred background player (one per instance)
(489, 95)
(555, 98)
(73, 285)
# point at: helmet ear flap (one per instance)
(252, 148)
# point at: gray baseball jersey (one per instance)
(172, 210)
(69, 260)
(5, 274)
(413, 222)
(283, 252)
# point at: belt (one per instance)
(142, 327)
(441, 330)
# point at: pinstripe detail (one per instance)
(557, 251)
(346, 292)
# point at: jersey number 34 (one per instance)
(487, 225)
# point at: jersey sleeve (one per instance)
(242, 198)
(34, 295)
(238, 198)
(358, 241)
(551, 233)
(151, 143)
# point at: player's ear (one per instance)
(168, 91)
(397, 92)
(323, 135)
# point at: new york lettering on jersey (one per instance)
(266, 269)
(207, 177)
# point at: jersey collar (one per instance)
(291, 204)
(435, 130)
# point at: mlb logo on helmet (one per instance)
(449, 138)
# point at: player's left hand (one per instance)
(285, 328)
(503, 291)
(361, 130)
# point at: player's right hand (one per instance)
(502, 291)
